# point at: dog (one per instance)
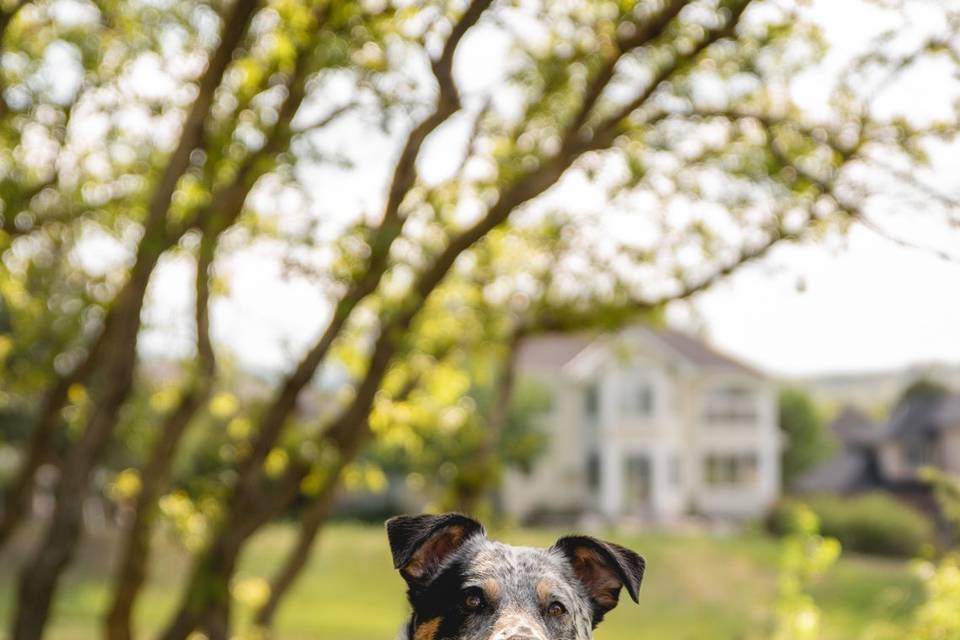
(464, 586)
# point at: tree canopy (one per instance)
(449, 176)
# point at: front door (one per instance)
(638, 489)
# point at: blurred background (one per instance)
(681, 273)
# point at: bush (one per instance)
(872, 523)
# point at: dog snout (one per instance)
(522, 633)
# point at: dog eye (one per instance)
(556, 609)
(472, 600)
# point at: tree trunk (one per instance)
(41, 573)
(207, 594)
(135, 554)
(135, 551)
(312, 520)
(16, 500)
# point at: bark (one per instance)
(41, 573)
(191, 135)
(226, 207)
(18, 496)
(220, 558)
(253, 504)
(135, 552)
(350, 444)
(312, 520)
(389, 229)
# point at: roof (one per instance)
(700, 353)
(854, 427)
(925, 415)
(845, 471)
(554, 351)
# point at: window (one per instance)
(591, 402)
(730, 470)
(638, 481)
(593, 471)
(731, 405)
(919, 451)
(638, 398)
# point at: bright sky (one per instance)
(856, 304)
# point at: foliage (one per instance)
(135, 135)
(938, 618)
(872, 523)
(805, 559)
(447, 453)
(807, 441)
(923, 389)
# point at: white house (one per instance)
(648, 424)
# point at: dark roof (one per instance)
(551, 352)
(913, 416)
(854, 427)
(845, 471)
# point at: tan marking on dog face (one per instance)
(491, 588)
(544, 592)
(427, 630)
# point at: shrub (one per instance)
(872, 523)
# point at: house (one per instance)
(854, 466)
(651, 425)
(922, 431)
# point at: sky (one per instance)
(857, 303)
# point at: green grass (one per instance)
(697, 587)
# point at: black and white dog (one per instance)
(463, 586)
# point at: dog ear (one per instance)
(420, 544)
(603, 568)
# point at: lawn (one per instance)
(697, 587)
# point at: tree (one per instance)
(675, 114)
(807, 441)
(923, 390)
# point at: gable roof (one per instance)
(552, 352)
(924, 415)
(699, 353)
(854, 427)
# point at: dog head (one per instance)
(463, 586)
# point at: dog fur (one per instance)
(464, 586)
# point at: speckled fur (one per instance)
(527, 581)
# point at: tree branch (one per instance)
(191, 135)
(389, 229)
(609, 128)
(644, 33)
